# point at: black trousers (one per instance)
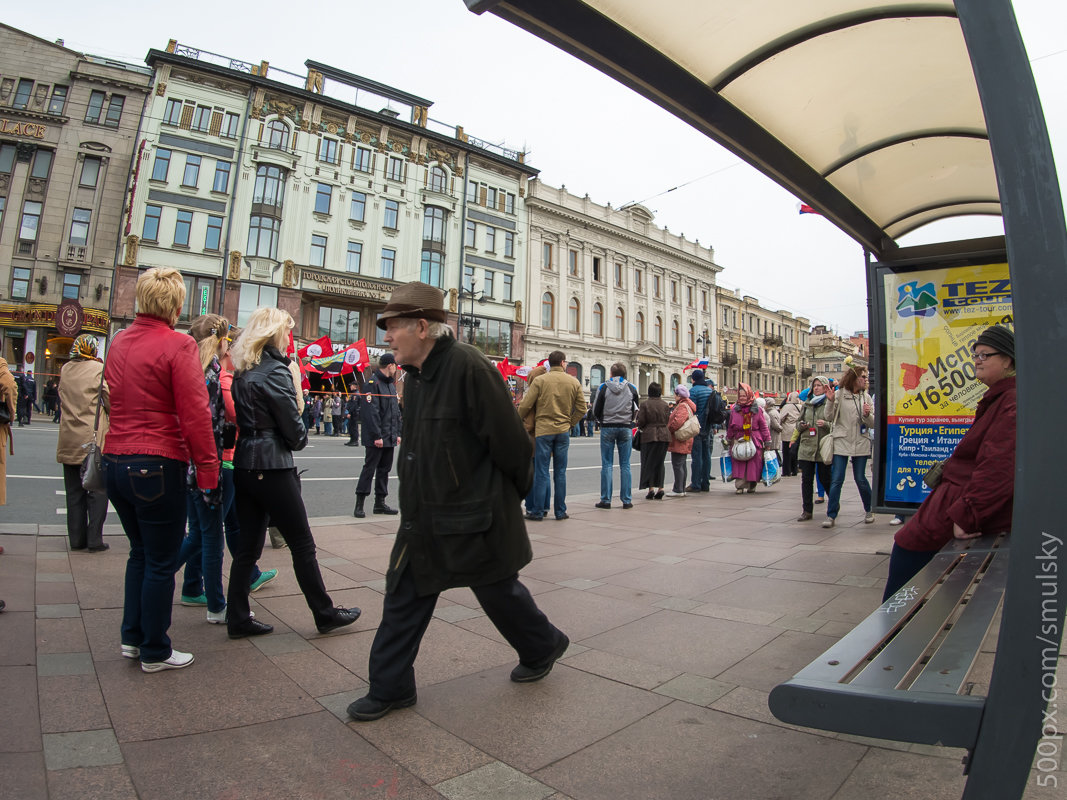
(274, 495)
(406, 614)
(808, 469)
(789, 457)
(86, 511)
(377, 464)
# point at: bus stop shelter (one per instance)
(885, 117)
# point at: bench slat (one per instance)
(949, 666)
(895, 661)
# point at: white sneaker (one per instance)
(869, 518)
(828, 522)
(896, 521)
(675, 494)
(131, 651)
(216, 617)
(177, 660)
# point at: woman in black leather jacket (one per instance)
(265, 480)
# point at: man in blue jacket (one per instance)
(699, 394)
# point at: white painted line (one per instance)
(38, 477)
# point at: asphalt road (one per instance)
(35, 483)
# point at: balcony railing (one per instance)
(729, 359)
(789, 369)
(805, 373)
(755, 363)
(773, 341)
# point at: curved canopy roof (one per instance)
(867, 111)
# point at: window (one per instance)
(42, 163)
(689, 296)
(490, 239)
(58, 101)
(182, 228)
(598, 319)
(618, 278)
(659, 331)
(197, 297)
(31, 220)
(468, 278)
(392, 214)
(704, 299)
(470, 233)
(253, 297)
(202, 119)
(488, 282)
(79, 226)
(7, 158)
(597, 274)
(490, 197)
(472, 192)
(692, 339)
(22, 93)
(546, 255)
(90, 173)
(318, 251)
(574, 311)
(509, 244)
(3, 207)
(675, 335)
(20, 282)
(506, 289)
(620, 324)
(161, 164)
(270, 187)
(214, 233)
(438, 179)
(340, 324)
(114, 110)
(150, 232)
(572, 262)
(548, 311)
(674, 291)
(656, 285)
(430, 272)
(357, 210)
(509, 205)
(639, 327)
(221, 183)
(395, 169)
(72, 285)
(173, 113)
(229, 125)
(277, 135)
(323, 196)
(388, 262)
(263, 237)
(361, 159)
(433, 225)
(354, 257)
(328, 150)
(95, 107)
(192, 171)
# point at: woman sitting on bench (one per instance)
(977, 483)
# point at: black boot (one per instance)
(359, 512)
(381, 508)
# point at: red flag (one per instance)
(317, 349)
(289, 350)
(506, 368)
(804, 208)
(701, 363)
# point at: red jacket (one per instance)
(159, 403)
(977, 486)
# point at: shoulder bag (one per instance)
(92, 470)
(689, 428)
(826, 443)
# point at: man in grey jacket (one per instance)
(615, 409)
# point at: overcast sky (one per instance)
(580, 128)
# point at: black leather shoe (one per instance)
(250, 627)
(100, 548)
(381, 508)
(534, 517)
(525, 674)
(367, 708)
(627, 506)
(603, 505)
(341, 618)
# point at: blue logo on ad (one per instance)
(914, 300)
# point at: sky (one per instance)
(580, 128)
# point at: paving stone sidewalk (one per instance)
(683, 614)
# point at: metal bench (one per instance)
(903, 673)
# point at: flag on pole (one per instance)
(804, 208)
(507, 369)
(344, 362)
(317, 349)
(699, 364)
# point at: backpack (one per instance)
(716, 410)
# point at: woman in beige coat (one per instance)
(789, 413)
(853, 425)
(80, 390)
(8, 396)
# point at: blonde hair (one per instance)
(161, 293)
(209, 331)
(266, 326)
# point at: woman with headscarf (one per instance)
(853, 425)
(789, 414)
(977, 487)
(812, 426)
(679, 450)
(747, 433)
(80, 391)
(652, 416)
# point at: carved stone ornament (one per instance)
(133, 244)
(452, 300)
(161, 89)
(234, 273)
(518, 310)
(314, 81)
(290, 274)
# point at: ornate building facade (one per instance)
(608, 285)
(68, 131)
(264, 188)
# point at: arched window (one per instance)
(438, 179)
(598, 319)
(639, 327)
(675, 380)
(548, 311)
(573, 315)
(692, 340)
(596, 375)
(659, 332)
(674, 335)
(620, 324)
(277, 135)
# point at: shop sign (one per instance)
(33, 129)
(69, 318)
(43, 315)
(346, 284)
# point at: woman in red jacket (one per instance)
(160, 422)
(978, 481)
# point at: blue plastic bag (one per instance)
(726, 468)
(772, 470)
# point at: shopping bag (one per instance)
(772, 470)
(726, 468)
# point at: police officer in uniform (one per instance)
(380, 414)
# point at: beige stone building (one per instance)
(68, 129)
(829, 351)
(766, 349)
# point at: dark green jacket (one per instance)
(464, 465)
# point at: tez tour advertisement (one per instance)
(932, 320)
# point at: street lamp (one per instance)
(471, 323)
(703, 339)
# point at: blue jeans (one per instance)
(327, 422)
(837, 480)
(148, 492)
(702, 461)
(610, 438)
(554, 446)
(202, 552)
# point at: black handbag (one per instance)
(637, 440)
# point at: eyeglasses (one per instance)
(982, 357)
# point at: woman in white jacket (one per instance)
(853, 426)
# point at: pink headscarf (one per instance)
(745, 394)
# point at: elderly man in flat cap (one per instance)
(464, 466)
